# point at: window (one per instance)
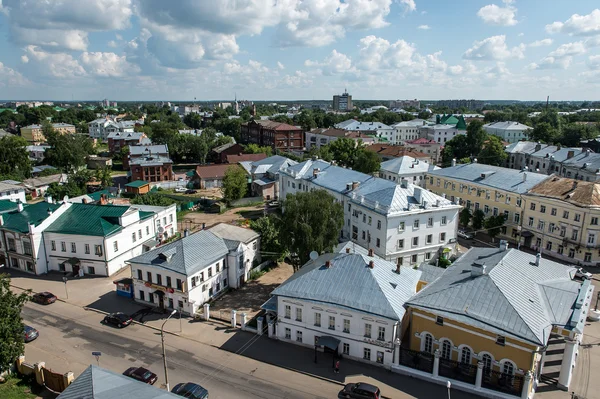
(446, 349)
(142, 295)
(367, 330)
(73, 247)
(430, 222)
(379, 225)
(415, 241)
(218, 267)
(115, 246)
(209, 272)
(147, 230)
(378, 243)
(565, 214)
(517, 218)
(367, 353)
(354, 232)
(495, 211)
(91, 270)
(165, 220)
(530, 222)
(549, 246)
(53, 245)
(401, 226)
(27, 248)
(563, 231)
(363, 235)
(98, 250)
(171, 304)
(501, 340)
(413, 259)
(381, 333)
(331, 322)
(465, 355)
(587, 257)
(370, 220)
(505, 214)
(538, 242)
(442, 237)
(519, 202)
(577, 217)
(401, 244)
(288, 312)
(416, 224)
(439, 320)
(288, 333)
(594, 221)
(427, 255)
(428, 344)
(541, 225)
(560, 250)
(179, 284)
(158, 279)
(298, 314)
(571, 253)
(574, 234)
(151, 297)
(542, 208)
(444, 220)
(346, 349)
(133, 237)
(201, 276)
(553, 211)
(379, 357)
(591, 239)
(429, 239)
(299, 336)
(63, 245)
(508, 368)
(170, 218)
(317, 319)
(149, 277)
(140, 234)
(486, 209)
(87, 248)
(487, 363)
(532, 206)
(346, 325)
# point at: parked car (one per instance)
(464, 234)
(360, 390)
(44, 298)
(191, 191)
(274, 204)
(141, 374)
(190, 390)
(118, 319)
(180, 190)
(582, 274)
(30, 334)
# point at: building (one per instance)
(219, 154)
(137, 187)
(542, 158)
(408, 130)
(96, 162)
(210, 176)
(279, 136)
(349, 303)
(343, 102)
(265, 175)
(118, 140)
(34, 134)
(405, 104)
(445, 129)
(426, 146)
(150, 163)
(455, 104)
(144, 151)
(235, 158)
(582, 166)
(165, 221)
(101, 128)
(37, 186)
(186, 273)
(508, 131)
(407, 168)
(497, 329)
(378, 129)
(319, 137)
(387, 152)
(36, 152)
(403, 223)
(493, 189)
(12, 192)
(373, 109)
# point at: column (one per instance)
(206, 311)
(436, 362)
(243, 321)
(568, 363)
(526, 385)
(233, 318)
(479, 376)
(259, 326)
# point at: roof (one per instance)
(45, 180)
(156, 149)
(584, 160)
(395, 151)
(512, 180)
(137, 184)
(507, 125)
(213, 171)
(353, 248)
(412, 123)
(7, 206)
(126, 135)
(577, 192)
(352, 124)
(187, 255)
(421, 140)
(32, 214)
(350, 283)
(150, 160)
(98, 383)
(223, 147)
(4, 187)
(272, 125)
(407, 165)
(235, 233)
(513, 296)
(235, 158)
(271, 164)
(430, 273)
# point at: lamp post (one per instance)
(449, 385)
(162, 338)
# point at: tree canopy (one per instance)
(269, 228)
(68, 151)
(235, 183)
(14, 158)
(152, 198)
(11, 333)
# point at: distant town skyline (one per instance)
(152, 50)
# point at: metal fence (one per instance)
(458, 370)
(502, 382)
(417, 360)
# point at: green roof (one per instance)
(7, 206)
(59, 109)
(88, 219)
(449, 120)
(34, 214)
(137, 183)
(461, 124)
(96, 196)
(8, 109)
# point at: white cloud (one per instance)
(112, 44)
(51, 39)
(55, 65)
(335, 63)
(580, 25)
(409, 5)
(594, 62)
(377, 53)
(568, 49)
(280, 65)
(107, 64)
(592, 42)
(551, 62)
(540, 43)
(493, 48)
(11, 78)
(24, 59)
(500, 16)
(521, 34)
(424, 27)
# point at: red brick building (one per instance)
(219, 154)
(279, 136)
(149, 163)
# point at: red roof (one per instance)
(395, 151)
(213, 171)
(272, 125)
(422, 140)
(235, 158)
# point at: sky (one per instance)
(299, 49)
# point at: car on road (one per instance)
(273, 204)
(44, 298)
(190, 390)
(360, 390)
(180, 190)
(118, 319)
(141, 374)
(30, 334)
(583, 274)
(191, 191)
(464, 234)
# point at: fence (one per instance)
(417, 360)
(458, 370)
(262, 266)
(167, 185)
(45, 377)
(498, 381)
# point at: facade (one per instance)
(35, 135)
(342, 102)
(430, 147)
(12, 192)
(165, 219)
(345, 302)
(405, 131)
(101, 128)
(150, 163)
(145, 151)
(265, 175)
(405, 104)
(454, 104)
(36, 152)
(402, 223)
(510, 132)
(407, 168)
(279, 136)
(96, 162)
(497, 329)
(582, 166)
(378, 129)
(544, 158)
(119, 139)
(210, 176)
(322, 136)
(440, 133)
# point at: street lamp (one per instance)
(449, 385)
(162, 338)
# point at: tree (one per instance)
(311, 222)
(367, 162)
(11, 333)
(269, 229)
(544, 132)
(235, 183)
(424, 115)
(573, 133)
(344, 151)
(457, 148)
(493, 224)
(14, 158)
(104, 176)
(478, 219)
(152, 198)
(49, 172)
(464, 217)
(493, 152)
(68, 151)
(256, 149)
(476, 136)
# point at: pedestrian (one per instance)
(337, 367)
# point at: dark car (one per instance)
(360, 390)
(44, 298)
(190, 390)
(191, 191)
(30, 334)
(141, 374)
(118, 319)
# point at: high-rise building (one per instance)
(342, 102)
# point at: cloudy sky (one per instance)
(299, 49)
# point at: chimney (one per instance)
(186, 232)
(348, 250)
(453, 161)
(49, 211)
(84, 201)
(327, 264)
(355, 185)
(49, 199)
(538, 257)
(418, 194)
(477, 269)
(316, 172)
(19, 206)
(503, 245)
(524, 176)
(397, 268)
(348, 186)
(404, 183)
(371, 252)
(371, 264)
(103, 199)
(570, 154)
(587, 152)
(538, 147)
(474, 160)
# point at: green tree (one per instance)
(104, 176)
(457, 148)
(256, 149)
(476, 136)
(49, 172)
(193, 120)
(344, 151)
(544, 132)
(573, 133)
(68, 151)
(270, 232)
(152, 198)
(14, 158)
(367, 162)
(311, 222)
(464, 217)
(235, 183)
(493, 152)
(493, 224)
(11, 333)
(424, 115)
(477, 220)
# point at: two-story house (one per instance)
(165, 219)
(265, 175)
(407, 168)
(12, 192)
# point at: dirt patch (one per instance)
(195, 220)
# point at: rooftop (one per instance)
(407, 165)
(395, 151)
(235, 233)
(352, 124)
(45, 180)
(271, 164)
(125, 135)
(272, 125)
(412, 123)
(577, 192)
(216, 171)
(4, 187)
(137, 184)
(32, 214)
(154, 160)
(235, 158)
(422, 140)
(7, 206)
(156, 149)
(507, 125)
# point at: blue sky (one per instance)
(299, 49)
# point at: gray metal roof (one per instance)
(232, 232)
(98, 383)
(155, 149)
(507, 125)
(412, 123)
(513, 297)
(271, 164)
(500, 178)
(352, 124)
(430, 273)
(407, 165)
(591, 161)
(187, 255)
(350, 283)
(522, 147)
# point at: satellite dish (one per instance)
(161, 230)
(314, 255)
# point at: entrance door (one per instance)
(242, 280)
(528, 242)
(161, 301)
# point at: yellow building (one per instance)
(486, 322)
(562, 217)
(494, 190)
(34, 134)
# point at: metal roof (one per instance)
(236, 233)
(412, 123)
(430, 272)
(146, 149)
(512, 297)
(352, 124)
(271, 165)
(187, 255)
(507, 125)
(407, 165)
(349, 282)
(512, 180)
(9, 187)
(32, 214)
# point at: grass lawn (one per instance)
(17, 388)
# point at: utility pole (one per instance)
(547, 102)
(162, 338)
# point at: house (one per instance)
(12, 192)
(137, 187)
(101, 128)
(120, 139)
(494, 315)
(210, 176)
(378, 129)
(350, 303)
(220, 153)
(144, 151)
(235, 158)
(97, 162)
(544, 158)
(97, 239)
(582, 166)
(387, 152)
(492, 189)
(103, 197)
(36, 152)
(508, 131)
(278, 136)
(402, 222)
(445, 128)
(322, 136)
(37, 186)
(22, 230)
(426, 146)
(407, 130)
(186, 273)
(265, 175)
(406, 167)
(150, 163)
(35, 135)
(165, 220)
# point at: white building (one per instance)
(510, 132)
(100, 128)
(350, 303)
(12, 192)
(440, 133)
(37, 152)
(372, 128)
(372, 110)
(165, 219)
(319, 137)
(407, 168)
(400, 222)
(408, 130)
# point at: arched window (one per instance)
(428, 345)
(446, 349)
(465, 355)
(487, 363)
(508, 368)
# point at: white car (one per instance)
(582, 274)
(180, 190)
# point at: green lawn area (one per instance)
(17, 388)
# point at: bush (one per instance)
(443, 262)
